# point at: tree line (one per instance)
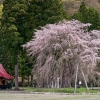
(19, 19)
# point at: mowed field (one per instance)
(47, 96)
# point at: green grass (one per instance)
(58, 90)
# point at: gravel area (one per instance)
(16, 95)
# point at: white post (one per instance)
(76, 79)
(58, 82)
(52, 85)
(85, 80)
(55, 83)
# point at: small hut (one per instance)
(4, 78)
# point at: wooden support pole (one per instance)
(85, 81)
(76, 79)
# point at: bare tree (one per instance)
(60, 48)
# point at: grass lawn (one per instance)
(46, 96)
(30, 93)
(60, 90)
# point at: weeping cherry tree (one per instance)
(61, 49)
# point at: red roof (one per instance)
(4, 74)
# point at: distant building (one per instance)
(5, 78)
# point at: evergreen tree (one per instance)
(25, 67)
(12, 30)
(42, 12)
(83, 8)
(83, 11)
(93, 17)
(77, 16)
(81, 14)
(88, 15)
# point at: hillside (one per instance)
(73, 5)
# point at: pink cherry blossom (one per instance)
(58, 49)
